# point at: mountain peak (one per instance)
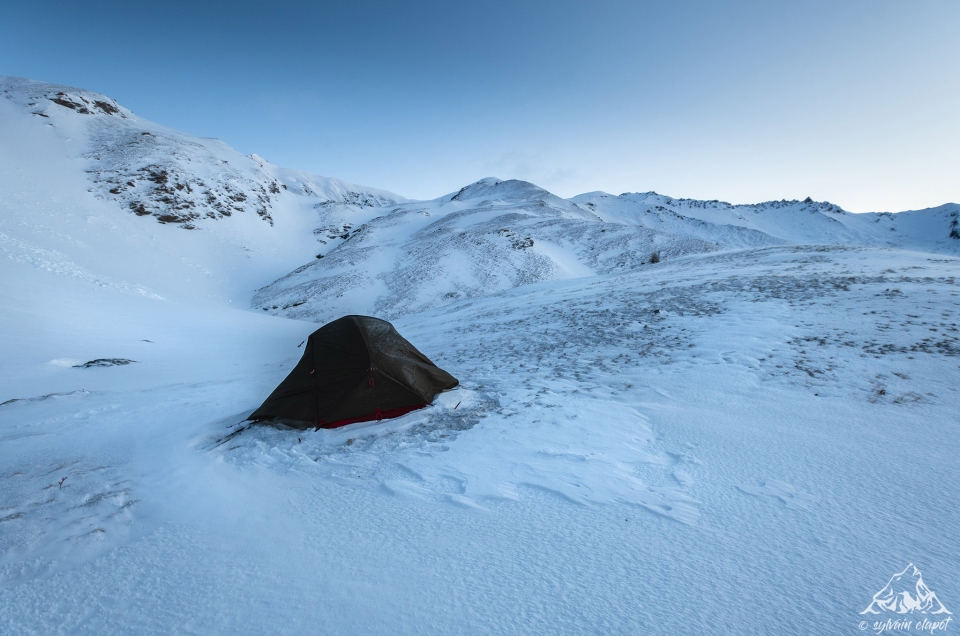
(493, 188)
(41, 97)
(152, 171)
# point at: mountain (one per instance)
(804, 222)
(906, 592)
(489, 236)
(494, 235)
(79, 170)
(302, 240)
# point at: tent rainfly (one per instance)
(354, 369)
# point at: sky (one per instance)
(854, 102)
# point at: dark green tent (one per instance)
(354, 369)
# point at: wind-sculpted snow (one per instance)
(758, 418)
(547, 364)
(613, 313)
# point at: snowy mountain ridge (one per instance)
(79, 172)
(176, 178)
(381, 253)
(490, 236)
(794, 222)
(493, 234)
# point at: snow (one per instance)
(494, 235)
(778, 222)
(59, 212)
(489, 236)
(750, 436)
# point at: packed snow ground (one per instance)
(751, 436)
(630, 452)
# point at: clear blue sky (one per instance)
(854, 102)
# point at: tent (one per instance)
(354, 369)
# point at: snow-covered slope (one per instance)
(489, 236)
(631, 453)
(79, 172)
(775, 222)
(101, 168)
(494, 235)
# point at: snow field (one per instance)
(748, 437)
(567, 495)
